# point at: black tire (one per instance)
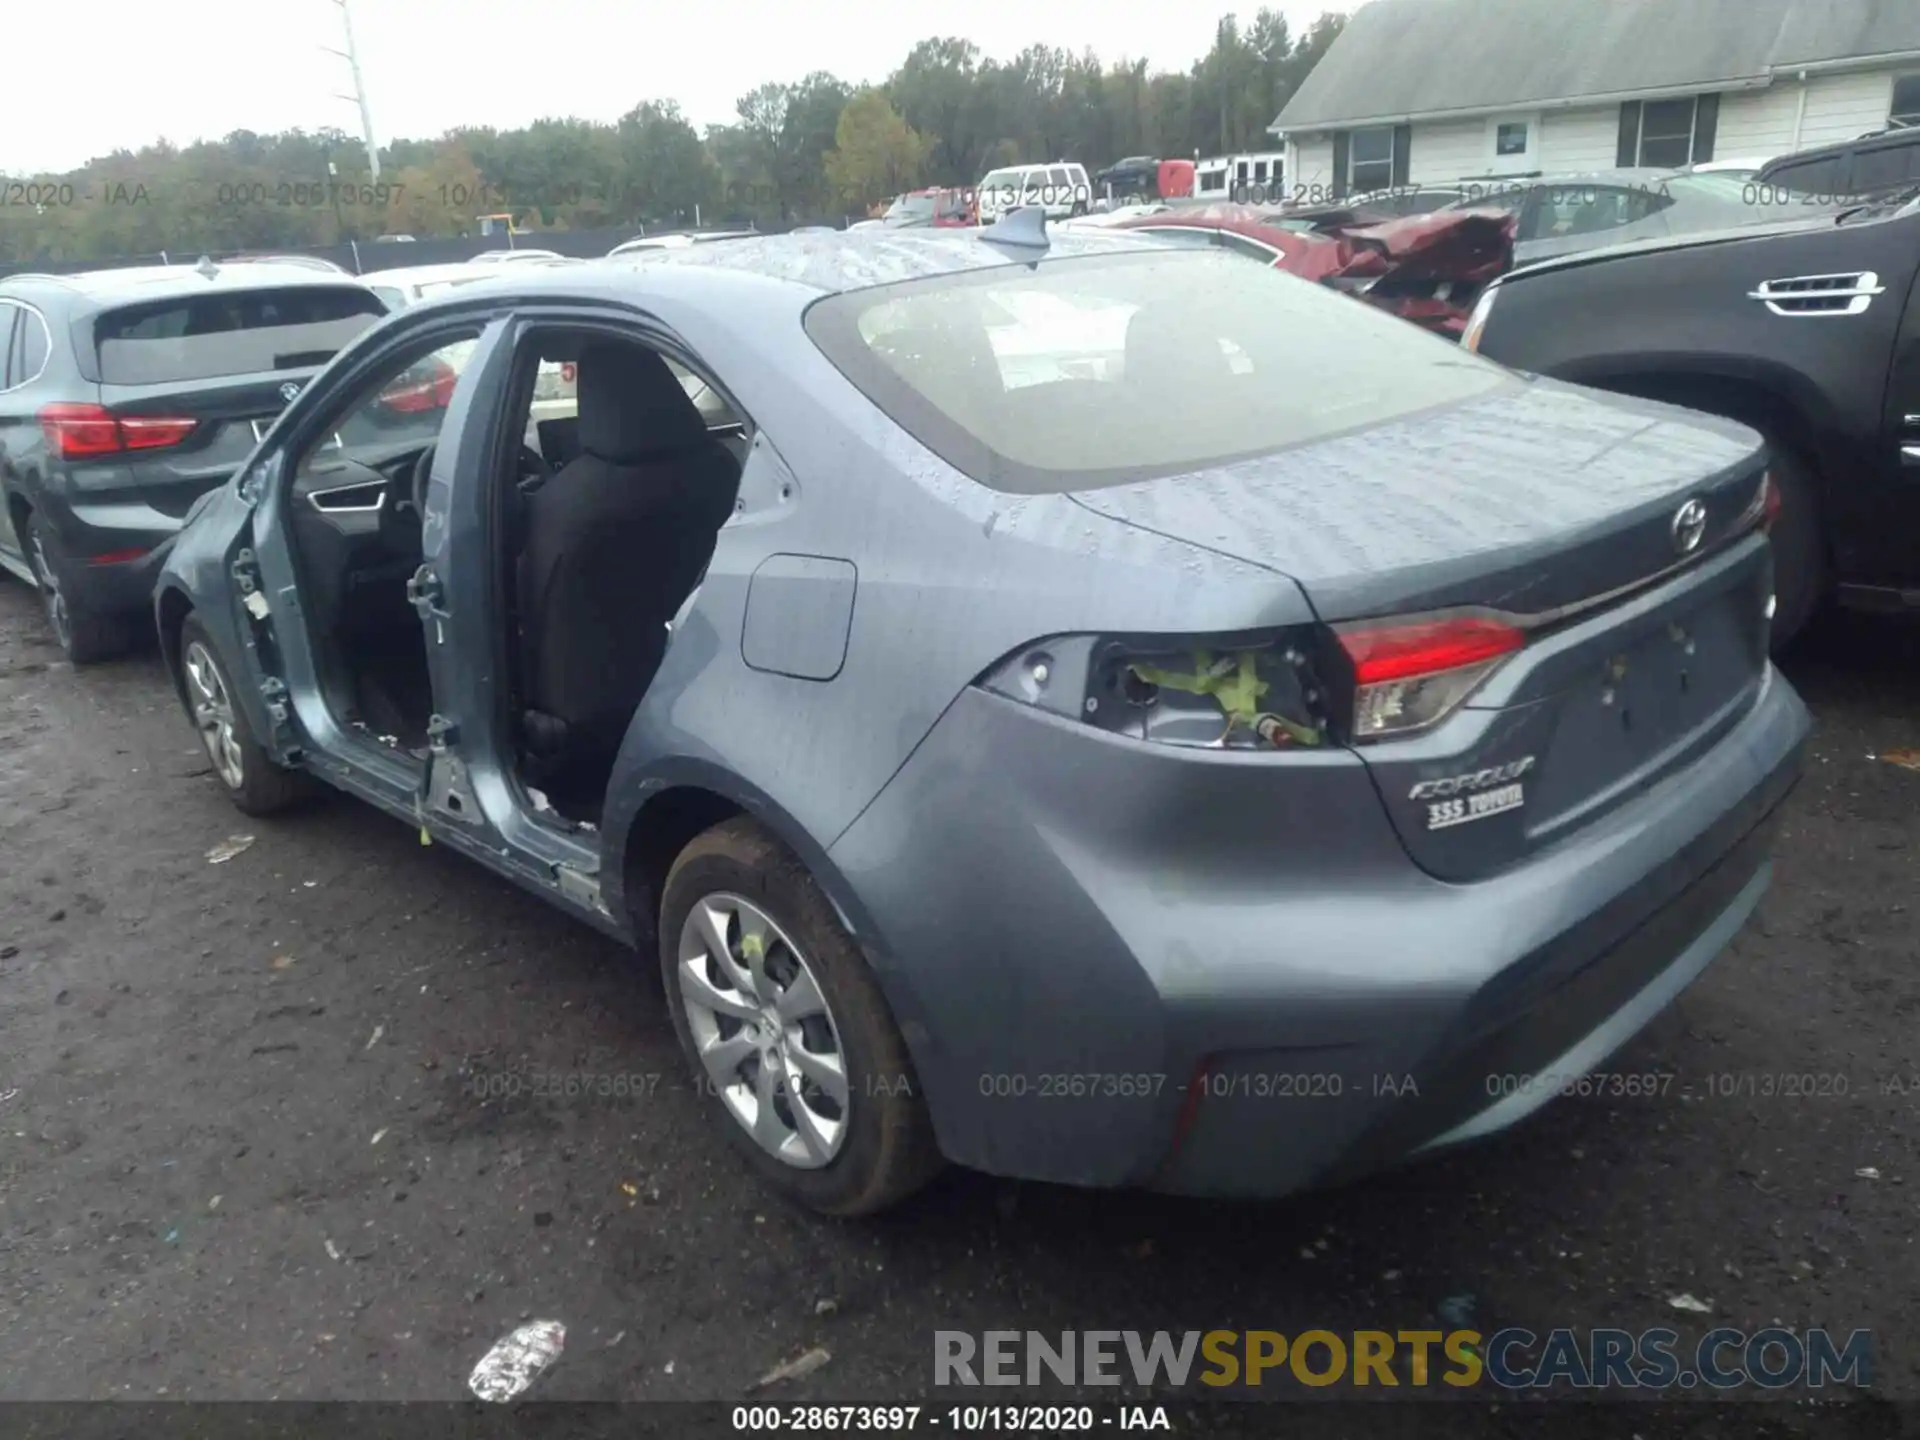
(263, 788)
(1079, 208)
(84, 636)
(888, 1151)
(1799, 544)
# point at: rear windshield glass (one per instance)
(1081, 373)
(231, 332)
(911, 207)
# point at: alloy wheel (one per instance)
(213, 715)
(51, 594)
(763, 1031)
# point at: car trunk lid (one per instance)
(229, 415)
(189, 383)
(1616, 536)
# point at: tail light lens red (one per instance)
(423, 388)
(1411, 674)
(85, 432)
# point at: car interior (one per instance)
(600, 552)
(628, 466)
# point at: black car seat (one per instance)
(613, 545)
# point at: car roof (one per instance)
(1636, 175)
(132, 284)
(1875, 140)
(1686, 240)
(835, 261)
(809, 264)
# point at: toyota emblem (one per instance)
(1689, 526)
(288, 391)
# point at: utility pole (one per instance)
(359, 97)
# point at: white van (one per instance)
(1060, 186)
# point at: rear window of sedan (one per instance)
(1082, 373)
(231, 332)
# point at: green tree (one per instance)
(876, 153)
(937, 91)
(666, 173)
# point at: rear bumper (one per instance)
(88, 530)
(1118, 967)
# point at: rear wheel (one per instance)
(792, 1043)
(83, 636)
(1799, 544)
(255, 784)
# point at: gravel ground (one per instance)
(242, 1155)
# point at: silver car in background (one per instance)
(1561, 214)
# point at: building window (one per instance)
(1906, 103)
(1510, 138)
(1666, 134)
(1370, 160)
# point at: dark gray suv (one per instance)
(125, 395)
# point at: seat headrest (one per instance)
(632, 405)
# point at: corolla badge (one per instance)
(289, 390)
(1689, 526)
(1476, 795)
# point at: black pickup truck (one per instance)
(1807, 329)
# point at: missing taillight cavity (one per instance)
(1259, 696)
(1256, 690)
(1409, 675)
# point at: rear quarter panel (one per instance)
(948, 578)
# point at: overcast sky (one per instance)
(198, 69)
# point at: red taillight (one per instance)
(1411, 674)
(1404, 652)
(116, 557)
(152, 432)
(415, 395)
(82, 432)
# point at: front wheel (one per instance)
(255, 784)
(792, 1043)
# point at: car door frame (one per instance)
(261, 560)
(473, 790)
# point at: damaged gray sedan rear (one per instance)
(1091, 711)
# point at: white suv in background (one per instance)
(1060, 186)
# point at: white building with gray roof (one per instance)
(1427, 92)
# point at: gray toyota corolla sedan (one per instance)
(1071, 706)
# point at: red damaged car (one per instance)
(934, 207)
(1425, 268)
